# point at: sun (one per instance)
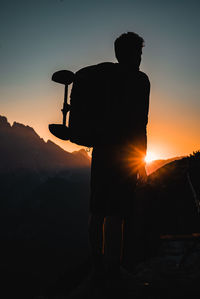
(150, 157)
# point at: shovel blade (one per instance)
(60, 131)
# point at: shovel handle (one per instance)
(66, 106)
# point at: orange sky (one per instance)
(172, 131)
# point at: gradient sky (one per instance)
(40, 37)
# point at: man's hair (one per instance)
(127, 44)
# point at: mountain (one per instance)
(22, 148)
(175, 189)
(156, 164)
(43, 208)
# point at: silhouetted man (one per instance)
(118, 156)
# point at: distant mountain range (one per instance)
(22, 148)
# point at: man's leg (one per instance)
(113, 251)
(106, 242)
(96, 224)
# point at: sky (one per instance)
(40, 37)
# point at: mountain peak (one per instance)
(17, 125)
(82, 152)
(4, 122)
(21, 128)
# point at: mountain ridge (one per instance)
(23, 148)
(157, 164)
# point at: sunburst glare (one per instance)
(150, 157)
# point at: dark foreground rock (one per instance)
(174, 273)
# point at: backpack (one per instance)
(89, 103)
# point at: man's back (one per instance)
(128, 102)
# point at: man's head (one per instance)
(128, 48)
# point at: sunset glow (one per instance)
(79, 39)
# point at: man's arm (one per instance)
(143, 142)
